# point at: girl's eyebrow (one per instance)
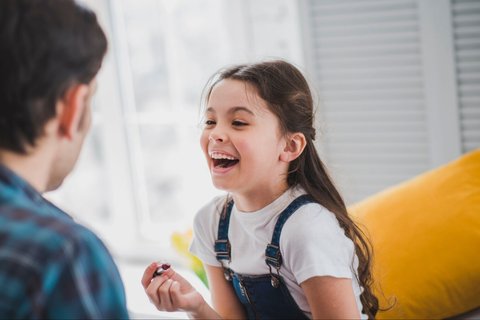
(233, 110)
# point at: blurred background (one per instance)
(397, 86)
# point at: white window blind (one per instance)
(368, 69)
(466, 26)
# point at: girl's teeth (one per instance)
(221, 156)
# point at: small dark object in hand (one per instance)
(161, 270)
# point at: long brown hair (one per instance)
(288, 96)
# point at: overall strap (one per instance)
(272, 253)
(222, 245)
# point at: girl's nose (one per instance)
(216, 136)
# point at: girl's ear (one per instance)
(295, 143)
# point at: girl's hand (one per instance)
(171, 292)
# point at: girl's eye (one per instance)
(209, 122)
(238, 123)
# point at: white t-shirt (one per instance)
(312, 243)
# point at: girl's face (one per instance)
(242, 141)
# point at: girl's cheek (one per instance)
(245, 146)
(204, 140)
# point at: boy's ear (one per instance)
(295, 144)
(70, 109)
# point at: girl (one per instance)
(281, 244)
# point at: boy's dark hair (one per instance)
(46, 46)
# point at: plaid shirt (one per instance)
(50, 266)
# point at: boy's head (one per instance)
(47, 48)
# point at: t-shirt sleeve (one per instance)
(205, 228)
(313, 244)
(88, 284)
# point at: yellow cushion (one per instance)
(426, 238)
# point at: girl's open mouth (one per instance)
(224, 163)
(222, 160)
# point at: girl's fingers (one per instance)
(169, 273)
(176, 295)
(164, 295)
(162, 290)
(147, 274)
(153, 291)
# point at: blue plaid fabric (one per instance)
(50, 266)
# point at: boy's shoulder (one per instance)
(46, 235)
(46, 253)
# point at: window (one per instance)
(398, 86)
(466, 30)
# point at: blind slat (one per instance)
(466, 24)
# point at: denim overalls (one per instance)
(263, 296)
